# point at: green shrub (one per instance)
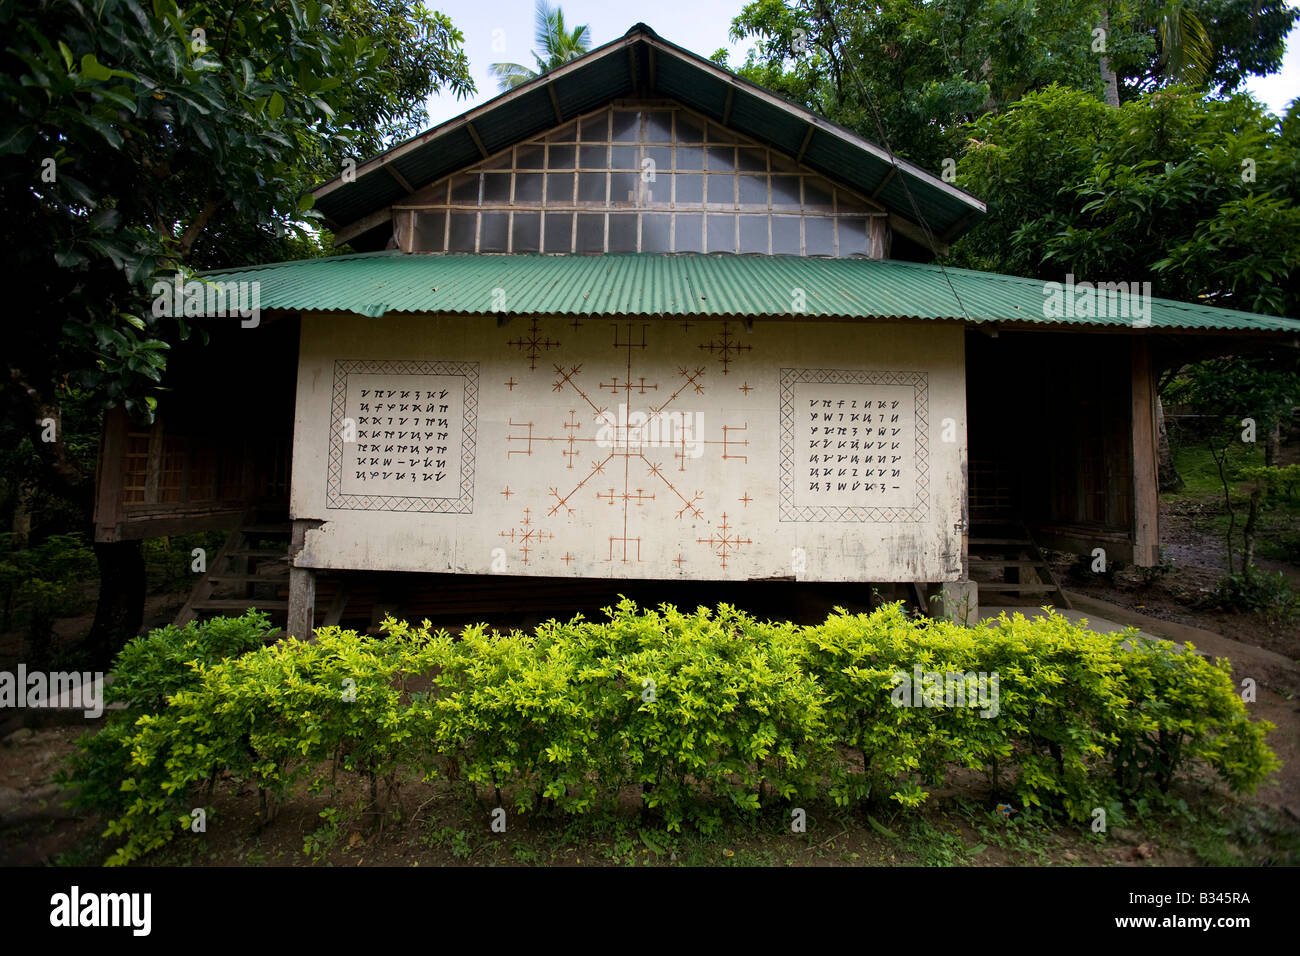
(694, 710)
(275, 716)
(147, 672)
(150, 669)
(701, 713)
(1255, 590)
(1185, 711)
(706, 705)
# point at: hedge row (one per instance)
(696, 712)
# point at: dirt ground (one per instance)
(1196, 562)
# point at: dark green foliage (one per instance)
(1265, 592)
(925, 68)
(133, 129)
(1198, 195)
(38, 584)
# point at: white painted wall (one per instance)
(593, 495)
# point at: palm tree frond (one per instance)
(510, 75)
(546, 21)
(558, 45)
(1185, 44)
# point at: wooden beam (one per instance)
(958, 226)
(401, 180)
(631, 69)
(129, 529)
(878, 227)
(334, 613)
(555, 103)
(473, 134)
(726, 107)
(963, 457)
(153, 466)
(889, 177)
(362, 225)
(1146, 485)
(302, 604)
(911, 230)
(650, 56)
(803, 147)
(922, 602)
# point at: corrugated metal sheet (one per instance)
(653, 284)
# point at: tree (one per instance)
(1200, 193)
(1186, 50)
(558, 46)
(142, 139)
(1209, 45)
(926, 68)
(910, 72)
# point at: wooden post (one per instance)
(153, 472)
(302, 586)
(108, 480)
(1146, 485)
(878, 227)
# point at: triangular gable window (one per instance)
(640, 178)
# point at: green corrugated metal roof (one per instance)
(654, 284)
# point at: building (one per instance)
(639, 319)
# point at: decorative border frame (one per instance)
(920, 381)
(462, 504)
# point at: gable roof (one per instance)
(706, 286)
(639, 64)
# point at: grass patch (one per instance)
(1197, 467)
(1278, 534)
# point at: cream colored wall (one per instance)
(641, 503)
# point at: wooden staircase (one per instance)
(1002, 551)
(251, 570)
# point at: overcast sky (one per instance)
(698, 25)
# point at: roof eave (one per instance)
(383, 164)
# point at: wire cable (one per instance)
(824, 14)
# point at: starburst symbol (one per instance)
(723, 544)
(533, 344)
(527, 536)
